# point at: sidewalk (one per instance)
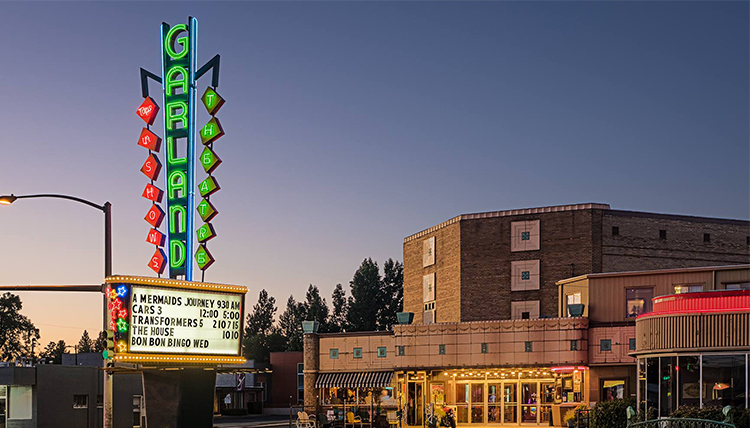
(251, 421)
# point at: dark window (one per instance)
(99, 401)
(401, 350)
(706, 237)
(528, 347)
(357, 352)
(484, 348)
(525, 275)
(638, 301)
(615, 231)
(605, 345)
(441, 349)
(525, 236)
(80, 401)
(382, 352)
(748, 240)
(662, 234)
(631, 344)
(525, 315)
(574, 345)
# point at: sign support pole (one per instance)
(108, 381)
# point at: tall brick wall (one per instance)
(565, 239)
(473, 257)
(638, 246)
(446, 269)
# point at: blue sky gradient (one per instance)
(350, 125)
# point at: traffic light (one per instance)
(108, 353)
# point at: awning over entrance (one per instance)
(354, 380)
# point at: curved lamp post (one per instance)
(107, 210)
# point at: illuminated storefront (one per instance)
(694, 349)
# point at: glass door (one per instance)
(547, 393)
(529, 405)
(477, 403)
(510, 402)
(494, 403)
(462, 403)
(414, 404)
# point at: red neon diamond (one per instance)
(149, 140)
(152, 193)
(154, 216)
(148, 110)
(157, 261)
(151, 167)
(155, 237)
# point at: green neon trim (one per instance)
(170, 153)
(208, 186)
(173, 117)
(173, 185)
(183, 219)
(174, 260)
(170, 81)
(182, 41)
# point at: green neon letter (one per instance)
(173, 116)
(182, 41)
(170, 81)
(176, 253)
(173, 210)
(170, 153)
(177, 182)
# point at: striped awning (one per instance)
(354, 380)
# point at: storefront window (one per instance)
(724, 380)
(613, 389)
(494, 399)
(689, 380)
(638, 301)
(668, 388)
(462, 402)
(510, 398)
(652, 383)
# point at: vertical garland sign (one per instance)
(174, 243)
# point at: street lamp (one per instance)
(107, 210)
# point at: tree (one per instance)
(260, 321)
(316, 308)
(101, 342)
(17, 333)
(85, 344)
(366, 297)
(290, 324)
(53, 352)
(392, 297)
(337, 322)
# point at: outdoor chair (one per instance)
(352, 420)
(304, 420)
(392, 418)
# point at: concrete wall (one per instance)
(346, 342)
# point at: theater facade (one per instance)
(514, 317)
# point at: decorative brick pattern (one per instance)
(524, 235)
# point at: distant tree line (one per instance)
(372, 305)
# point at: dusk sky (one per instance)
(351, 125)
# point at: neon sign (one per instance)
(175, 244)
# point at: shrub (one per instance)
(740, 416)
(611, 414)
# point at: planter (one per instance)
(576, 309)
(405, 317)
(310, 326)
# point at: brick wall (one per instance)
(447, 274)
(565, 239)
(638, 246)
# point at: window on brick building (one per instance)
(615, 231)
(605, 345)
(357, 352)
(525, 275)
(631, 344)
(441, 349)
(382, 352)
(401, 350)
(688, 288)
(529, 347)
(662, 234)
(574, 345)
(706, 237)
(525, 236)
(638, 301)
(333, 353)
(484, 348)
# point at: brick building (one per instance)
(522, 315)
(504, 264)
